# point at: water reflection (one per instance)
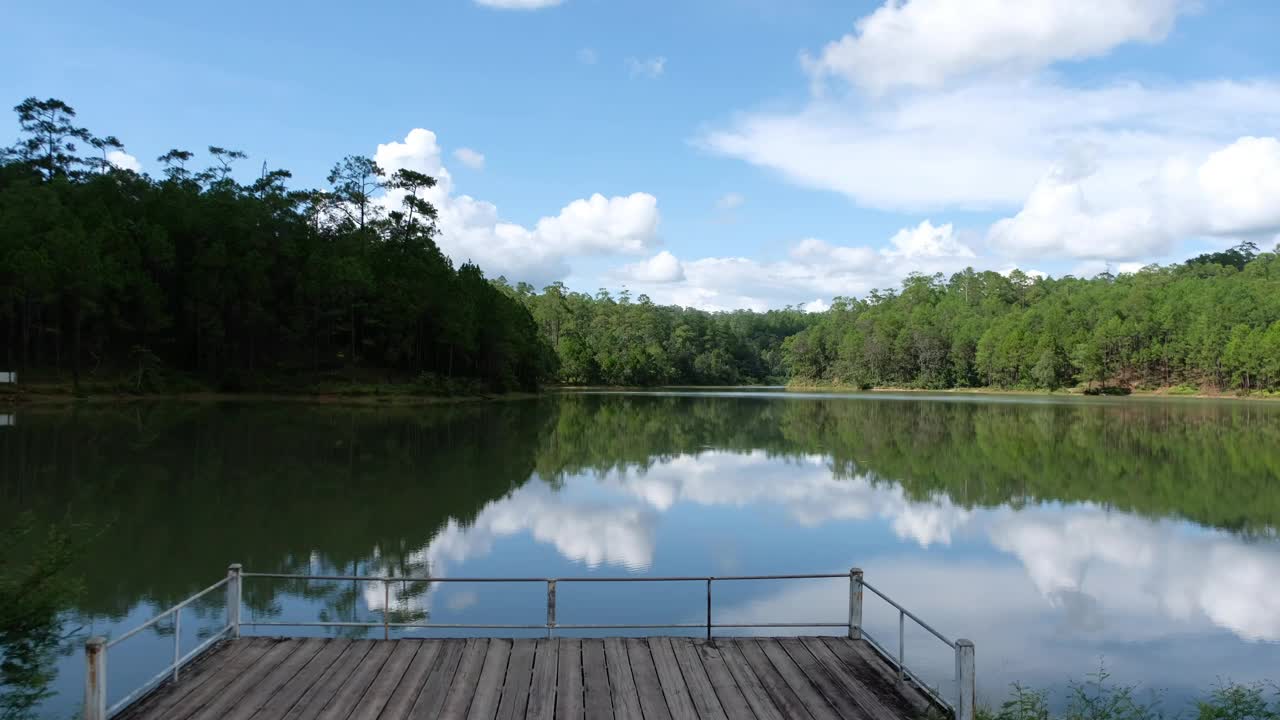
(1050, 533)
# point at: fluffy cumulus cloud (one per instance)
(661, 268)
(124, 161)
(1233, 191)
(812, 265)
(923, 43)
(469, 157)
(518, 4)
(944, 106)
(983, 145)
(472, 229)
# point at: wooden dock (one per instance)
(822, 678)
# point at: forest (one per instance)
(103, 268)
(1211, 322)
(111, 273)
(607, 340)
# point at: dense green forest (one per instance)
(609, 340)
(106, 268)
(1212, 321)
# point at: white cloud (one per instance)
(982, 145)
(723, 283)
(817, 305)
(924, 43)
(1230, 586)
(518, 4)
(730, 201)
(124, 161)
(469, 157)
(927, 241)
(661, 268)
(648, 68)
(587, 56)
(1233, 191)
(472, 229)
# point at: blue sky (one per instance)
(746, 153)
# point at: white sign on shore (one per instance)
(8, 377)
(6, 420)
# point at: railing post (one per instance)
(386, 608)
(177, 641)
(233, 599)
(902, 645)
(965, 680)
(551, 607)
(95, 679)
(709, 609)
(855, 604)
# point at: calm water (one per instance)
(1054, 533)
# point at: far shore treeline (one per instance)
(195, 277)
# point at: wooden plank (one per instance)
(595, 677)
(272, 684)
(784, 698)
(323, 689)
(752, 691)
(489, 687)
(796, 680)
(280, 702)
(652, 702)
(239, 687)
(463, 687)
(435, 690)
(695, 677)
(209, 689)
(726, 688)
(813, 670)
(542, 686)
(515, 689)
(153, 705)
(622, 686)
(673, 685)
(852, 684)
(370, 705)
(411, 684)
(882, 679)
(569, 700)
(345, 700)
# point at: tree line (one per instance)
(107, 269)
(607, 339)
(1213, 321)
(103, 267)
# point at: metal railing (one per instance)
(95, 649)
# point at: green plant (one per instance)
(1239, 701)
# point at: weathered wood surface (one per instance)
(657, 678)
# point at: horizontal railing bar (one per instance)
(685, 578)
(558, 626)
(166, 613)
(924, 687)
(777, 625)
(909, 614)
(155, 680)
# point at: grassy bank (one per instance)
(1183, 391)
(358, 387)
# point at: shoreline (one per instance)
(398, 399)
(1077, 392)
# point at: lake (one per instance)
(1056, 533)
